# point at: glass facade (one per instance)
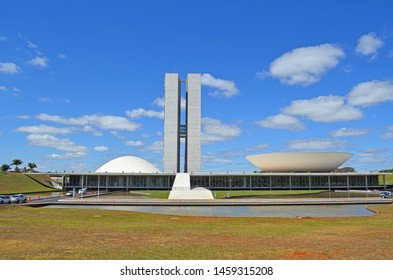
(228, 181)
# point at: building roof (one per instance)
(299, 161)
(128, 164)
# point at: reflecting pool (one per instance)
(241, 211)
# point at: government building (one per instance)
(296, 170)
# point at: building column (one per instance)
(347, 182)
(329, 182)
(193, 119)
(172, 123)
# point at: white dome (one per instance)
(128, 164)
(299, 161)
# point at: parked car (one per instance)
(386, 194)
(69, 193)
(82, 191)
(18, 198)
(5, 199)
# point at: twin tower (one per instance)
(177, 128)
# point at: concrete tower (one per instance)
(193, 119)
(174, 130)
(172, 123)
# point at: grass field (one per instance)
(40, 233)
(163, 194)
(12, 183)
(388, 178)
(259, 193)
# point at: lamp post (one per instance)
(99, 171)
(11, 155)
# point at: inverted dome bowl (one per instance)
(299, 161)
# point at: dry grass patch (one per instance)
(38, 233)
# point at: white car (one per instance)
(386, 194)
(18, 198)
(82, 191)
(5, 199)
(70, 193)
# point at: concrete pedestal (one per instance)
(182, 189)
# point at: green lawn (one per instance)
(388, 178)
(260, 193)
(233, 193)
(42, 233)
(11, 183)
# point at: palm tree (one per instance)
(31, 166)
(5, 167)
(16, 162)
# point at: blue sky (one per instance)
(82, 82)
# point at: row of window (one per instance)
(213, 182)
(121, 181)
(283, 181)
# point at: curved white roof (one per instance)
(299, 161)
(128, 164)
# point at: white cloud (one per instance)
(183, 104)
(53, 100)
(368, 45)
(62, 56)
(305, 66)
(40, 62)
(140, 112)
(257, 147)
(63, 144)
(330, 108)
(68, 155)
(90, 129)
(373, 155)
(370, 93)
(344, 132)
(156, 147)
(3, 38)
(44, 129)
(213, 158)
(214, 130)
(101, 149)
(282, 121)
(9, 68)
(117, 135)
(31, 45)
(3, 88)
(316, 144)
(159, 102)
(388, 134)
(372, 152)
(134, 143)
(105, 122)
(223, 88)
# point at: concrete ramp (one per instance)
(181, 189)
(182, 182)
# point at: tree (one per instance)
(345, 170)
(16, 162)
(31, 166)
(5, 167)
(386, 170)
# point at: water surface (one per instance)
(241, 211)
